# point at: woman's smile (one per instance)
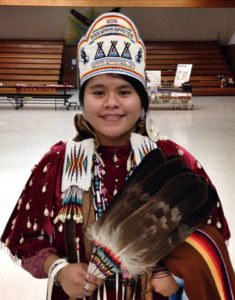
(112, 117)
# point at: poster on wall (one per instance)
(153, 78)
(183, 73)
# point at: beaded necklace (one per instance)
(99, 197)
(99, 191)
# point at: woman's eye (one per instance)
(98, 93)
(125, 92)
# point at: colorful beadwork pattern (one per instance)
(141, 146)
(76, 178)
(71, 205)
(97, 191)
(104, 262)
(76, 162)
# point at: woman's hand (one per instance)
(164, 284)
(77, 282)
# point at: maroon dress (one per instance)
(31, 233)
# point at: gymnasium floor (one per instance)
(207, 132)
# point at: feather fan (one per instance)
(143, 177)
(156, 211)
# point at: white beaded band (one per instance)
(53, 271)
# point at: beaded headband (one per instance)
(112, 45)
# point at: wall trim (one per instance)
(123, 3)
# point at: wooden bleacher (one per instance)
(30, 62)
(206, 57)
(36, 65)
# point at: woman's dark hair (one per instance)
(137, 85)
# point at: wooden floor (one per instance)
(206, 131)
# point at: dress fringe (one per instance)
(17, 261)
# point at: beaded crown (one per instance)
(112, 45)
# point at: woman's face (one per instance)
(112, 106)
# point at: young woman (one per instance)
(76, 181)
